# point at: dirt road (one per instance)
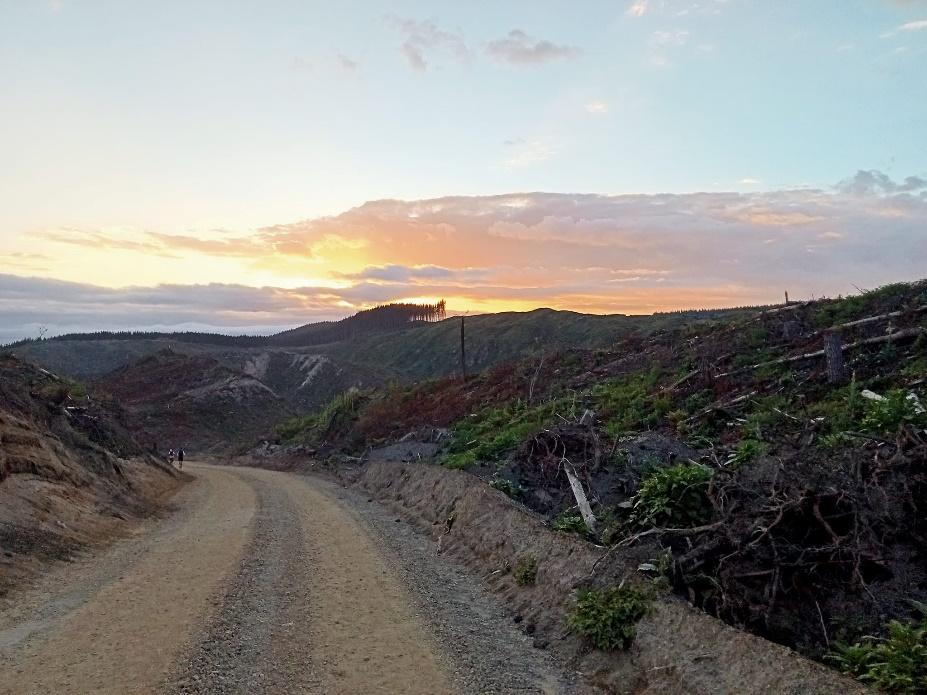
(267, 582)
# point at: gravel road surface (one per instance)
(268, 582)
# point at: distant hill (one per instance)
(387, 317)
(211, 392)
(400, 350)
(194, 401)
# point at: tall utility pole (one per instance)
(463, 353)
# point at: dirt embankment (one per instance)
(677, 649)
(71, 474)
(195, 402)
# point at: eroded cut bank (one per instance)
(677, 648)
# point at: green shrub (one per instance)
(526, 570)
(315, 427)
(608, 619)
(746, 451)
(766, 413)
(629, 404)
(674, 497)
(59, 390)
(459, 460)
(570, 523)
(917, 367)
(888, 416)
(895, 664)
(492, 433)
(857, 306)
(506, 486)
(841, 411)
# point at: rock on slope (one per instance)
(71, 473)
(195, 402)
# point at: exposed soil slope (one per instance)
(194, 402)
(71, 473)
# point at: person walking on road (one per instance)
(170, 457)
(180, 458)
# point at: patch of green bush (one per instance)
(59, 390)
(313, 428)
(746, 451)
(895, 664)
(629, 404)
(917, 367)
(888, 416)
(569, 522)
(841, 410)
(674, 497)
(506, 486)
(526, 570)
(858, 306)
(494, 432)
(767, 413)
(608, 619)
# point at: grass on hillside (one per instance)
(777, 478)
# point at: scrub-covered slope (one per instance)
(783, 491)
(194, 402)
(71, 473)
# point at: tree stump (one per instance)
(833, 351)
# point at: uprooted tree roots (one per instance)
(805, 547)
(810, 552)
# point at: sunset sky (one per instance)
(245, 166)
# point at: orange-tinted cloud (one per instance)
(625, 253)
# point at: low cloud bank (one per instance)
(623, 253)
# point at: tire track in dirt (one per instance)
(264, 583)
(364, 636)
(258, 641)
(118, 627)
(488, 653)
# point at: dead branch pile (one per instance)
(800, 547)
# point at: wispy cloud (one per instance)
(597, 107)
(873, 182)
(424, 38)
(518, 48)
(156, 243)
(907, 27)
(638, 8)
(33, 262)
(677, 37)
(527, 152)
(662, 43)
(346, 63)
(421, 274)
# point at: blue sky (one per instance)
(195, 117)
